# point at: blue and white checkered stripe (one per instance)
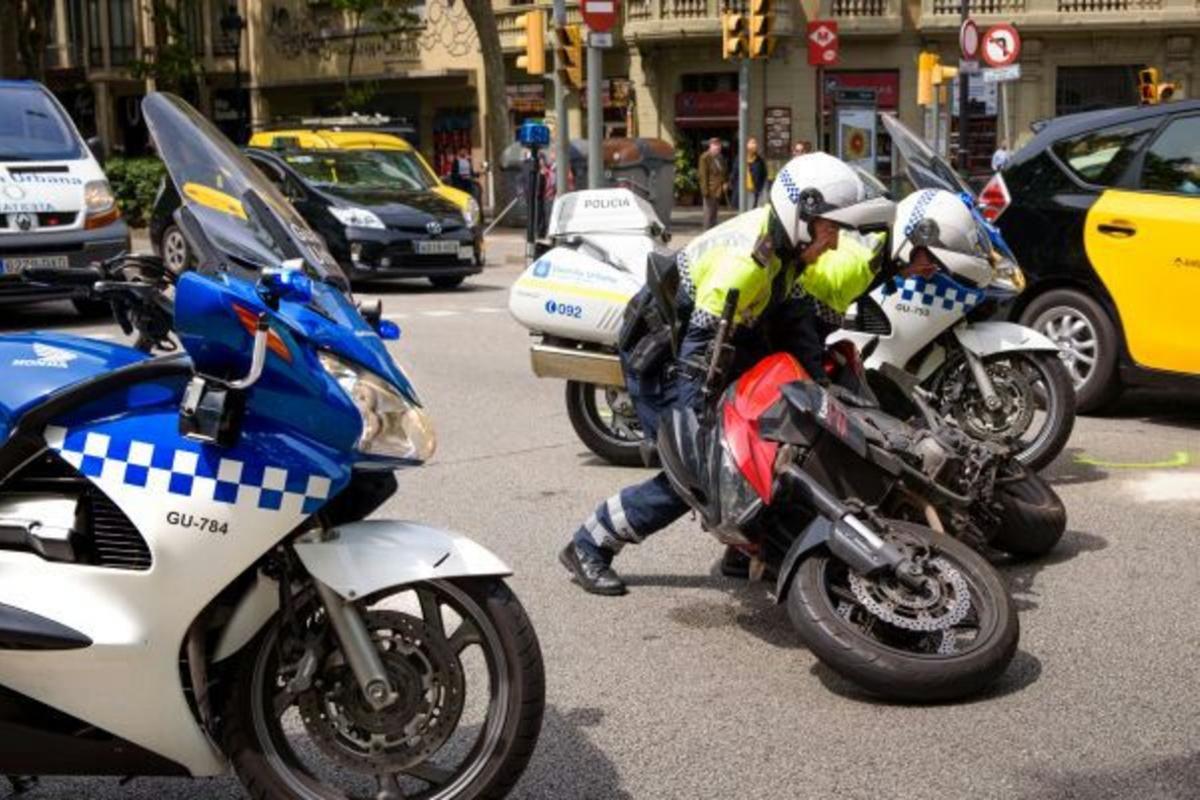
(940, 292)
(199, 474)
(789, 185)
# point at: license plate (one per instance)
(11, 266)
(437, 248)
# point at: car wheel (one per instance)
(448, 281)
(1089, 341)
(175, 252)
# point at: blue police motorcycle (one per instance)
(187, 580)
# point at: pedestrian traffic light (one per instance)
(533, 42)
(761, 24)
(1148, 86)
(733, 35)
(927, 64)
(568, 42)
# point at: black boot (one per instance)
(592, 572)
(735, 564)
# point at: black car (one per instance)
(377, 221)
(1102, 210)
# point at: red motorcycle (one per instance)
(782, 468)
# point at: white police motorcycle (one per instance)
(999, 381)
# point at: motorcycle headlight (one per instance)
(392, 425)
(471, 212)
(357, 217)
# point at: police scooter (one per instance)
(187, 580)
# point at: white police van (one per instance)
(56, 207)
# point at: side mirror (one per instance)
(96, 145)
(289, 283)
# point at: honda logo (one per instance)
(434, 228)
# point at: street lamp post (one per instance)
(232, 25)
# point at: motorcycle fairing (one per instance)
(753, 394)
(238, 501)
(43, 363)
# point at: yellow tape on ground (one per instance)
(1180, 459)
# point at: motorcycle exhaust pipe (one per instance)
(850, 539)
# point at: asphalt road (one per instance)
(695, 687)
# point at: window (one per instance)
(1101, 156)
(1172, 163)
(95, 46)
(122, 32)
(1093, 88)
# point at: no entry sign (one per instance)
(822, 42)
(600, 15)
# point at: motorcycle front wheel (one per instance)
(947, 642)
(1037, 410)
(604, 419)
(466, 665)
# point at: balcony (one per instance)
(680, 19)
(1090, 15)
(865, 17)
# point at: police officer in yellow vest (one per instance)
(784, 259)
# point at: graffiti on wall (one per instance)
(300, 31)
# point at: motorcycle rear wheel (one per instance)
(613, 433)
(899, 664)
(1032, 517)
(306, 745)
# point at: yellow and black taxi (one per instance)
(1102, 210)
(379, 216)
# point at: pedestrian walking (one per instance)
(714, 180)
(755, 180)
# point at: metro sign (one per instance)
(822, 42)
(600, 15)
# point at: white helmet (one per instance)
(941, 222)
(811, 186)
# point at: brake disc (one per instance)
(1007, 422)
(944, 604)
(425, 674)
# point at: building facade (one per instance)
(664, 75)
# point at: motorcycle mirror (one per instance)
(289, 283)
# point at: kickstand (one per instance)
(21, 783)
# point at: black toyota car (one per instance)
(377, 221)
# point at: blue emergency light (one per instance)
(533, 133)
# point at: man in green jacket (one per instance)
(783, 259)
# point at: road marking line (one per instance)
(490, 310)
(439, 313)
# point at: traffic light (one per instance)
(927, 63)
(568, 41)
(533, 42)
(1168, 89)
(733, 35)
(1148, 86)
(761, 23)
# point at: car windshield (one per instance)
(352, 169)
(410, 164)
(34, 128)
(241, 213)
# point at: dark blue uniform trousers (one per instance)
(637, 511)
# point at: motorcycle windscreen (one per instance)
(924, 168)
(242, 214)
